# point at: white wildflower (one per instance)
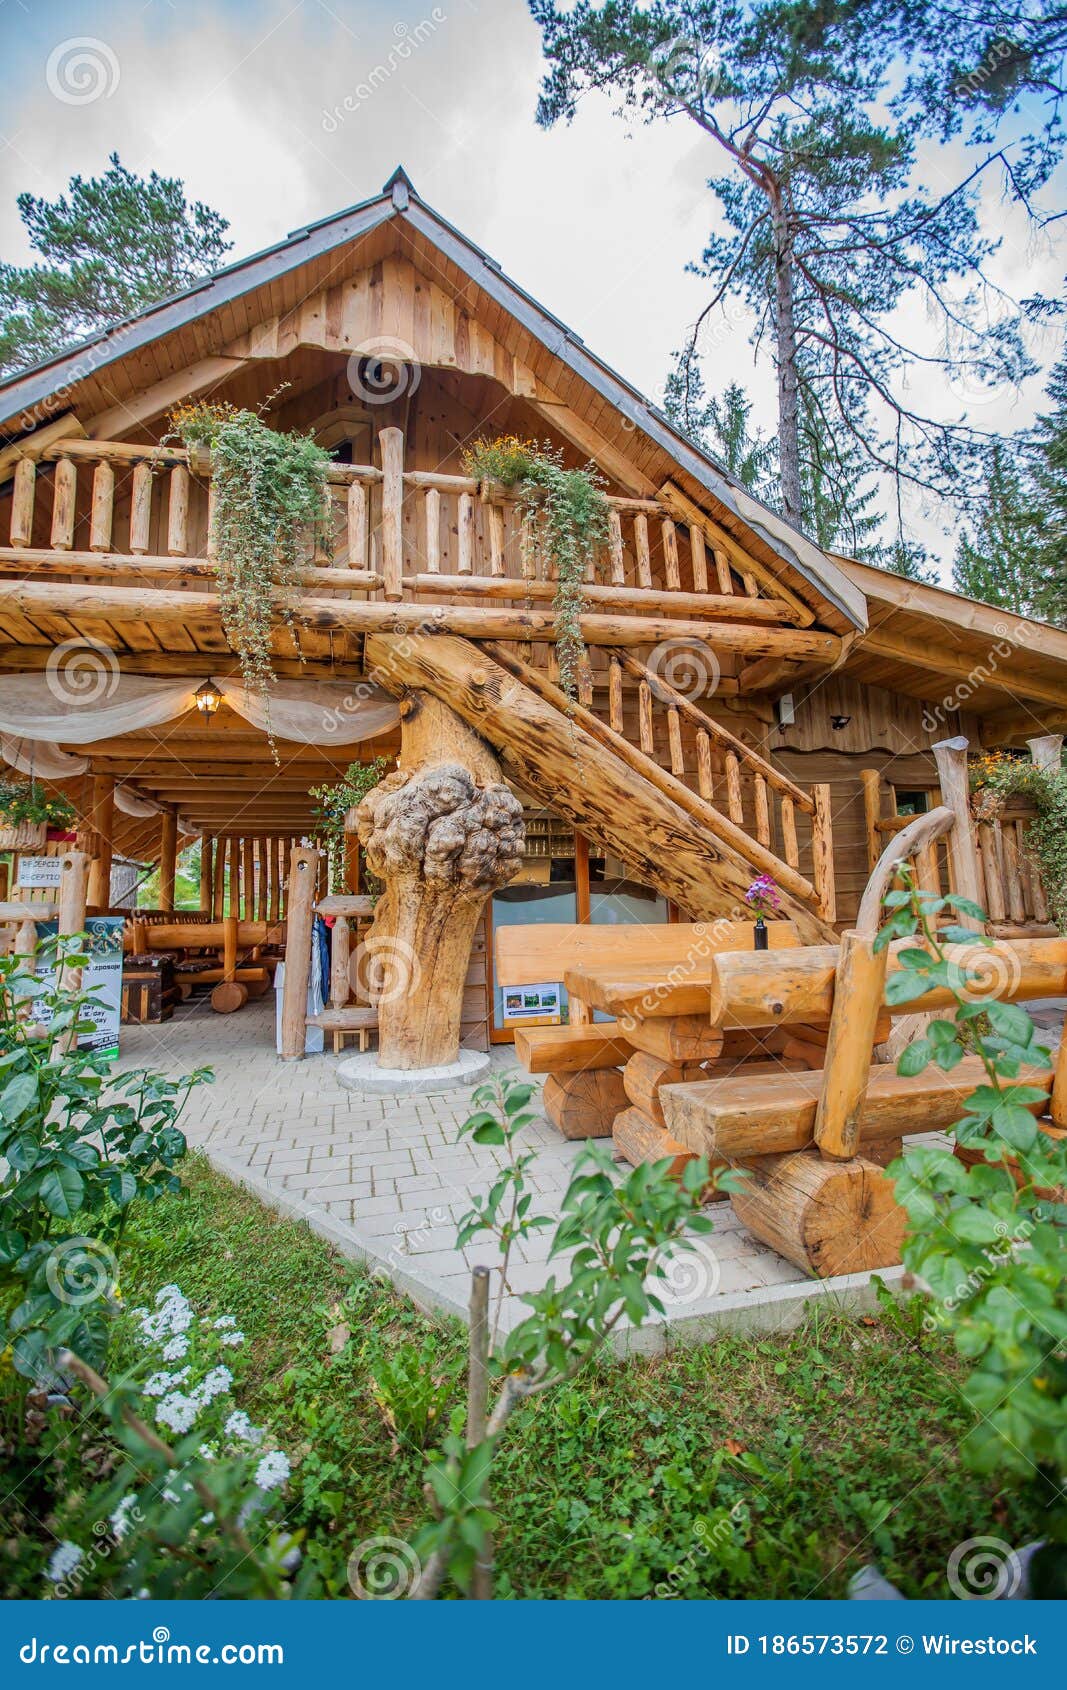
(160, 1383)
(273, 1470)
(224, 1320)
(214, 1384)
(232, 1339)
(176, 1349)
(177, 1411)
(240, 1427)
(121, 1523)
(64, 1560)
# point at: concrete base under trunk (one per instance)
(362, 1074)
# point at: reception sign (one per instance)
(102, 977)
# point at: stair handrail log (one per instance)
(859, 994)
(791, 797)
(759, 857)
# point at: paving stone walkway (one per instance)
(388, 1179)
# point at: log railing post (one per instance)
(391, 441)
(300, 920)
(950, 756)
(22, 499)
(871, 781)
(822, 853)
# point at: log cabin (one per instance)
(749, 705)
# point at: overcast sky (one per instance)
(247, 103)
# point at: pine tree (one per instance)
(118, 243)
(1048, 443)
(722, 427)
(995, 559)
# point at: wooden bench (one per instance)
(814, 1144)
(584, 1091)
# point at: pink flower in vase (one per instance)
(762, 897)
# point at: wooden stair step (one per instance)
(567, 1050)
(770, 1114)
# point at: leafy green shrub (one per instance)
(564, 516)
(413, 1385)
(989, 1240)
(77, 1156)
(332, 804)
(623, 1234)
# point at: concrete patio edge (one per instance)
(765, 1308)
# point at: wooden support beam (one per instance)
(33, 597)
(207, 845)
(102, 825)
(168, 855)
(300, 917)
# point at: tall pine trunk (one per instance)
(786, 345)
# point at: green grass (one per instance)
(805, 1454)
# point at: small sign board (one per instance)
(533, 1006)
(101, 978)
(35, 872)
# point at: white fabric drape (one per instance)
(132, 804)
(41, 712)
(35, 757)
(317, 712)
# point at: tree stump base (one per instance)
(227, 996)
(829, 1218)
(584, 1105)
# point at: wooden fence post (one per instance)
(73, 884)
(300, 921)
(951, 758)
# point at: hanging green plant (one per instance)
(996, 778)
(271, 502)
(26, 801)
(565, 517)
(332, 804)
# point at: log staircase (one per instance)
(601, 772)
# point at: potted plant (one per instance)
(762, 897)
(27, 813)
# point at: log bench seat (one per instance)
(565, 1050)
(750, 1115)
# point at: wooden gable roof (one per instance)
(323, 287)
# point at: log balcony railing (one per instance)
(418, 536)
(463, 536)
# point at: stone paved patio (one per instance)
(386, 1180)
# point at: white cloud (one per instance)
(247, 102)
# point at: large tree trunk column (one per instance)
(442, 833)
